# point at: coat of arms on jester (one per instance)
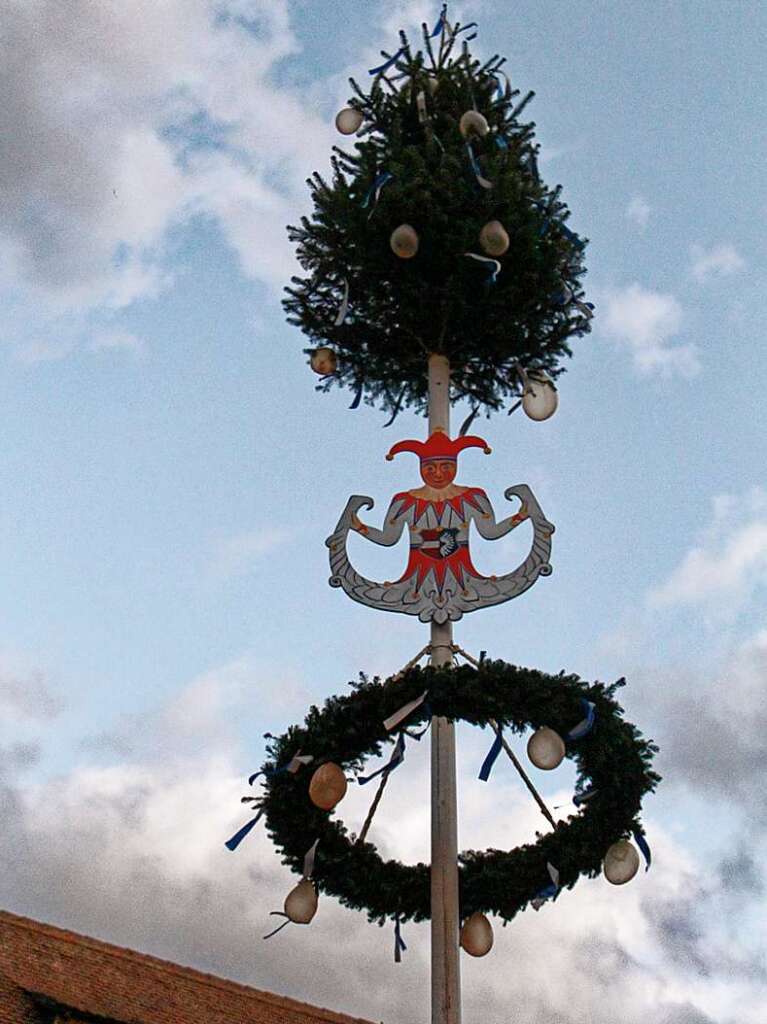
(440, 582)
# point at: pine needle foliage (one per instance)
(441, 300)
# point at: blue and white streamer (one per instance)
(492, 757)
(493, 266)
(641, 842)
(237, 838)
(309, 859)
(567, 296)
(399, 942)
(344, 307)
(579, 799)
(396, 759)
(549, 891)
(584, 727)
(407, 709)
(375, 191)
(476, 168)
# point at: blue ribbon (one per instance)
(642, 844)
(396, 759)
(237, 838)
(387, 64)
(584, 727)
(277, 913)
(476, 168)
(399, 942)
(375, 189)
(357, 396)
(441, 22)
(492, 757)
(585, 794)
(571, 235)
(549, 891)
(501, 142)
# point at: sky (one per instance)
(169, 475)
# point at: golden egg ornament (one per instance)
(546, 748)
(477, 935)
(493, 238)
(324, 361)
(473, 123)
(540, 399)
(327, 787)
(404, 241)
(301, 903)
(349, 120)
(621, 862)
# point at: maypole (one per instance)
(440, 268)
(445, 920)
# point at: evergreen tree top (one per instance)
(441, 153)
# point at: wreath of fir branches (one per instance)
(613, 760)
(441, 301)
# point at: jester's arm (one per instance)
(485, 520)
(392, 530)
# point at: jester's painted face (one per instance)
(438, 473)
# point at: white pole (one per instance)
(445, 924)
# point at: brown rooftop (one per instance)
(45, 969)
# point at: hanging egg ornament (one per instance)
(473, 123)
(432, 84)
(540, 399)
(621, 862)
(301, 903)
(477, 935)
(349, 120)
(327, 787)
(324, 361)
(493, 238)
(546, 748)
(404, 241)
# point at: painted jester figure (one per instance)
(440, 581)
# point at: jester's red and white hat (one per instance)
(439, 446)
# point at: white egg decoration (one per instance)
(621, 862)
(546, 748)
(404, 241)
(324, 361)
(540, 398)
(328, 786)
(349, 120)
(477, 935)
(493, 238)
(473, 123)
(301, 903)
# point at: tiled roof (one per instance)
(102, 980)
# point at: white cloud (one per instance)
(718, 261)
(238, 554)
(638, 212)
(729, 560)
(121, 122)
(27, 697)
(117, 340)
(645, 322)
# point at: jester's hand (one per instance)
(357, 525)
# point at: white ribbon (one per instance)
(309, 859)
(420, 102)
(394, 720)
(343, 307)
(297, 760)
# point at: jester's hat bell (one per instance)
(439, 446)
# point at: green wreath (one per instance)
(613, 763)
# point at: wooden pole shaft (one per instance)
(445, 923)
